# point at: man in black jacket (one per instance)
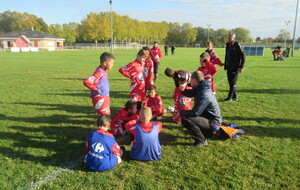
(234, 64)
(206, 111)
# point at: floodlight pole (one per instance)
(208, 25)
(286, 23)
(111, 29)
(293, 46)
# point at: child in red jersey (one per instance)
(208, 69)
(154, 101)
(102, 151)
(123, 116)
(181, 102)
(276, 54)
(99, 86)
(134, 71)
(146, 145)
(213, 56)
(148, 70)
(156, 56)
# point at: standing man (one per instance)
(234, 64)
(156, 55)
(206, 111)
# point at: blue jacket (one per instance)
(205, 103)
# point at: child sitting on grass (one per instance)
(154, 101)
(123, 116)
(146, 146)
(102, 151)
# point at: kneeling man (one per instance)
(206, 111)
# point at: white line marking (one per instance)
(55, 173)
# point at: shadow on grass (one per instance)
(86, 93)
(52, 140)
(80, 79)
(47, 145)
(277, 132)
(266, 91)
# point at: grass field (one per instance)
(46, 113)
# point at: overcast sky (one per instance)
(264, 18)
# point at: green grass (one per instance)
(45, 114)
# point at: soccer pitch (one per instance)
(46, 113)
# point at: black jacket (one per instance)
(205, 105)
(235, 56)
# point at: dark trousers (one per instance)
(156, 65)
(199, 127)
(276, 57)
(232, 77)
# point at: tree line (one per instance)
(95, 27)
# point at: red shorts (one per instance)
(101, 104)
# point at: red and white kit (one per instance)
(134, 71)
(214, 58)
(155, 54)
(148, 73)
(208, 71)
(99, 86)
(118, 122)
(181, 102)
(155, 104)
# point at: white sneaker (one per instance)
(170, 109)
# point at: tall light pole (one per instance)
(286, 23)
(208, 25)
(111, 29)
(293, 46)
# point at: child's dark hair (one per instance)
(130, 105)
(106, 56)
(103, 120)
(152, 88)
(143, 52)
(145, 48)
(169, 72)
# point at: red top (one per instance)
(148, 73)
(277, 52)
(209, 70)
(155, 104)
(146, 126)
(92, 81)
(119, 120)
(214, 58)
(134, 71)
(155, 54)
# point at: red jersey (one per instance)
(134, 71)
(181, 102)
(98, 81)
(209, 70)
(119, 120)
(277, 52)
(155, 104)
(155, 54)
(99, 86)
(214, 58)
(148, 73)
(146, 126)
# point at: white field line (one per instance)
(55, 173)
(225, 78)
